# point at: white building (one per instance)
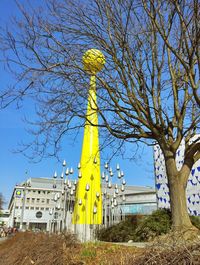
(38, 203)
(4, 218)
(162, 188)
(47, 204)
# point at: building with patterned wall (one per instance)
(162, 189)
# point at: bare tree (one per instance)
(147, 92)
(1, 201)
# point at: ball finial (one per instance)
(93, 61)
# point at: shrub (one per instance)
(158, 223)
(141, 228)
(120, 232)
(195, 221)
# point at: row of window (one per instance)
(39, 191)
(33, 208)
(36, 208)
(38, 200)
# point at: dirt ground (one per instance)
(42, 249)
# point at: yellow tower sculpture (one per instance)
(88, 201)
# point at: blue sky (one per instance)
(13, 131)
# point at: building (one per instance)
(47, 204)
(133, 200)
(139, 200)
(38, 203)
(4, 218)
(162, 188)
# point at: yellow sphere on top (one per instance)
(93, 61)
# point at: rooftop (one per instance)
(47, 183)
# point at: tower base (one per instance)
(85, 232)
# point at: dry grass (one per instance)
(41, 249)
(28, 248)
(163, 254)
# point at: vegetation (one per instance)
(121, 232)
(147, 92)
(184, 254)
(196, 221)
(42, 249)
(158, 223)
(141, 228)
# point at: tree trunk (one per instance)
(177, 187)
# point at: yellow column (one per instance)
(88, 201)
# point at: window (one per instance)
(37, 208)
(47, 209)
(16, 207)
(44, 191)
(34, 191)
(27, 208)
(43, 200)
(42, 208)
(39, 191)
(47, 201)
(48, 192)
(5, 215)
(56, 215)
(33, 200)
(28, 200)
(38, 200)
(38, 214)
(32, 208)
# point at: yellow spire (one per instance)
(88, 201)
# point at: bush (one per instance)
(121, 232)
(158, 223)
(195, 221)
(141, 228)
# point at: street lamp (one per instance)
(64, 197)
(25, 186)
(113, 194)
(69, 193)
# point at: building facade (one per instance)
(4, 218)
(162, 188)
(47, 204)
(38, 203)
